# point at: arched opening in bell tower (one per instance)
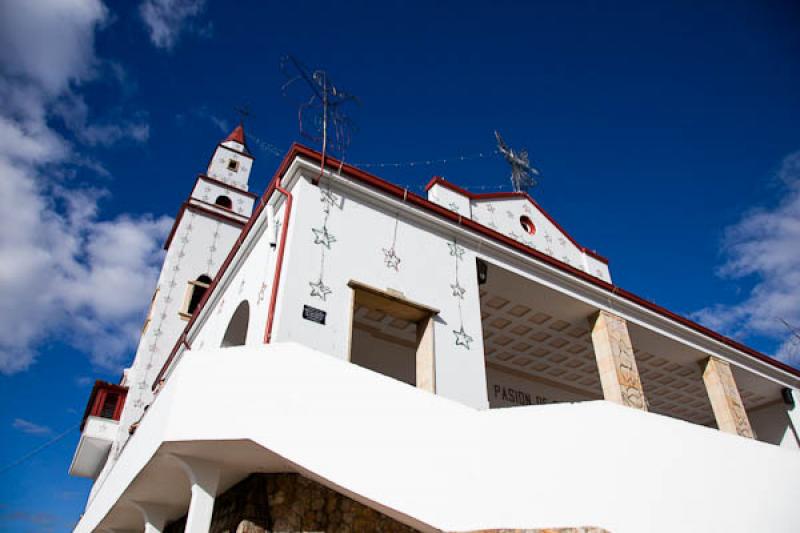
(224, 201)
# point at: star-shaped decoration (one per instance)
(548, 238)
(456, 250)
(390, 259)
(549, 251)
(453, 206)
(321, 236)
(492, 225)
(328, 198)
(319, 289)
(137, 403)
(142, 384)
(526, 208)
(561, 241)
(458, 290)
(514, 235)
(261, 292)
(490, 208)
(462, 339)
(241, 286)
(509, 214)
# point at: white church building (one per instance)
(341, 354)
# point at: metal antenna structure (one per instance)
(522, 173)
(322, 117)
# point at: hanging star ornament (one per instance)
(390, 259)
(462, 339)
(321, 236)
(522, 173)
(319, 289)
(458, 290)
(455, 250)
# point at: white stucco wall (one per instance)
(454, 468)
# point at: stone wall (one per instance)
(267, 503)
(290, 503)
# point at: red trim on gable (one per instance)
(408, 196)
(438, 180)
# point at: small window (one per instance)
(224, 201)
(194, 294)
(233, 165)
(109, 405)
(236, 332)
(527, 225)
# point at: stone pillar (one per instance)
(615, 361)
(426, 364)
(155, 516)
(725, 400)
(204, 477)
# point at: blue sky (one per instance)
(667, 135)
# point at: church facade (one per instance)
(342, 354)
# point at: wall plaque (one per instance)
(313, 314)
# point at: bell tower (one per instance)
(206, 227)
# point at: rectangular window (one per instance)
(233, 165)
(195, 291)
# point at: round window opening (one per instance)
(527, 225)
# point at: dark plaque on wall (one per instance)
(313, 314)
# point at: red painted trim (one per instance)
(200, 209)
(287, 160)
(228, 186)
(438, 180)
(97, 399)
(276, 279)
(413, 198)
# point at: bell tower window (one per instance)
(233, 165)
(194, 294)
(224, 201)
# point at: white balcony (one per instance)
(92, 451)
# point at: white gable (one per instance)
(519, 218)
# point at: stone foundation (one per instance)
(290, 503)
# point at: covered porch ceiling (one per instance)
(536, 332)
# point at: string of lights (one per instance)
(429, 162)
(273, 150)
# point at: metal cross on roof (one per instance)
(522, 173)
(322, 117)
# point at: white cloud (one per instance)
(167, 19)
(764, 246)
(67, 273)
(30, 428)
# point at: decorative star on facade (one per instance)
(327, 197)
(321, 236)
(458, 290)
(492, 225)
(462, 339)
(261, 292)
(490, 208)
(390, 259)
(319, 289)
(456, 250)
(548, 238)
(509, 214)
(526, 208)
(453, 206)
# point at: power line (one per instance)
(33, 452)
